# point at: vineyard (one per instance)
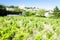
(29, 28)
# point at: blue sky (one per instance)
(47, 4)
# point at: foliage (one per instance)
(40, 12)
(2, 9)
(16, 10)
(21, 28)
(56, 12)
(27, 13)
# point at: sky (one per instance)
(45, 4)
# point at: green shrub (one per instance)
(40, 12)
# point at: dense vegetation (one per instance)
(29, 28)
(30, 25)
(56, 12)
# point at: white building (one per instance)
(46, 14)
(10, 9)
(49, 14)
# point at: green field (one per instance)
(29, 28)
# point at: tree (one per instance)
(29, 13)
(2, 10)
(11, 6)
(40, 12)
(56, 12)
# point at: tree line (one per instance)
(39, 12)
